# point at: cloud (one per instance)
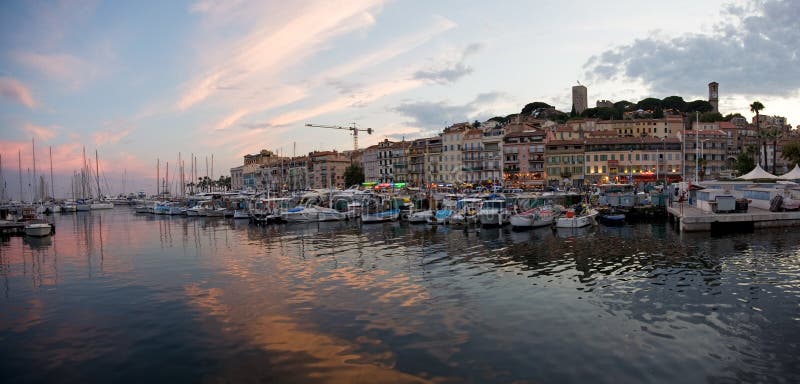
(754, 51)
(65, 68)
(272, 48)
(15, 91)
(449, 72)
(111, 136)
(41, 132)
(428, 114)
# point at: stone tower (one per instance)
(713, 95)
(579, 98)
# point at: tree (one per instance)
(224, 182)
(621, 107)
(499, 119)
(744, 163)
(602, 113)
(649, 104)
(710, 117)
(730, 116)
(698, 106)
(530, 107)
(476, 124)
(658, 113)
(674, 102)
(791, 153)
(756, 107)
(353, 175)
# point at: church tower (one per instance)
(713, 95)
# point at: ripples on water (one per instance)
(119, 297)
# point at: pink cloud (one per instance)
(268, 50)
(41, 132)
(16, 91)
(110, 136)
(62, 67)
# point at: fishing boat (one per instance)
(420, 217)
(493, 212)
(535, 217)
(466, 211)
(441, 216)
(378, 209)
(577, 218)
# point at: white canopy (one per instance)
(758, 173)
(794, 174)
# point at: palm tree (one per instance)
(756, 107)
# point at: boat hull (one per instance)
(38, 230)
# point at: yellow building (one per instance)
(629, 159)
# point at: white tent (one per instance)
(758, 173)
(794, 174)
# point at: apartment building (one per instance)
(632, 160)
(564, 162)
(523, 159)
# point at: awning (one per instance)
(758, 173)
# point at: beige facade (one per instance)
(326, 169)
(632, 160)
(523, 159)
(452, 144)
(564, 162)
(666, 127)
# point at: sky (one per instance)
(141, 82)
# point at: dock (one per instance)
(691, 219)
(12, 228)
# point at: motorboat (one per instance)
(101, 205)
(577, 218)
(612, 218)
(494, 212)
(379, 209)
(440, 217)
(420, 217)
(38, 228)
(535, 217)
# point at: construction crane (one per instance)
(352, 128)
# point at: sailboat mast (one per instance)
(52, 186)
(33, 148)
(166, 180)
(158, 177)
(19, 153)
(97, 173)
(83, 175)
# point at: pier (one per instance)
(691, 219)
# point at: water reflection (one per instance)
(213, 299)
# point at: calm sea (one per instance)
(117, 297)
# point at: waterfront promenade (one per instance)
(692, 219)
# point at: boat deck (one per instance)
(691, 219)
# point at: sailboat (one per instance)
(102, 203)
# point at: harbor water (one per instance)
(117, 297)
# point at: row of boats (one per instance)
(519, 211)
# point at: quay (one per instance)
(12, 228)
(692, 219)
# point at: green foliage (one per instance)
(730, 116)
(530, 107)
(756, 107)
(710, 117)
(658, 113)
(744, 162)
(500, 119)
(354, 174)
(674, 102)
(699, 106)
(649, 104)
(791, 153)
(602, 113)
(476, 124)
